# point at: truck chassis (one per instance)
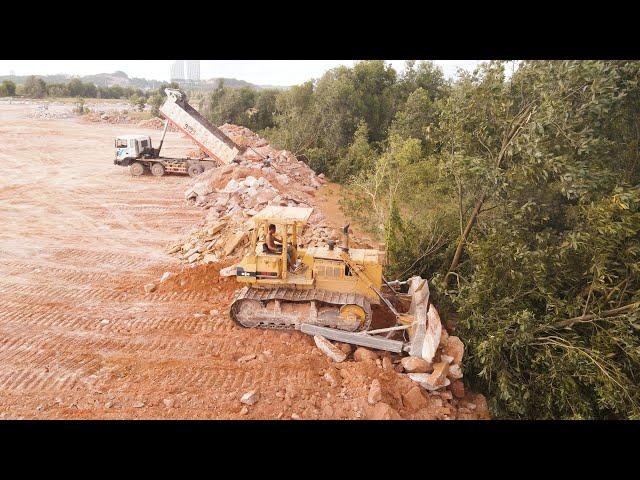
(161, 165)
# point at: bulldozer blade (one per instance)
(361, 339)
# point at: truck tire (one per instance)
(157, 169)
(195, 169)
(136, 169)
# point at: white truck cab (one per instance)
(129, 147)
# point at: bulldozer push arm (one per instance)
(420, 343)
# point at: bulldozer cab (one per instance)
(261, 264)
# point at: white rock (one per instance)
(246, 358)
(455, 372)
(250, 397)
(250, 181)
(149, 287)
(415, 365)
(202, 189)
(329, 349)
(283, 179)
(446, 358)
(232, 186)
(193, 257)
(104, 321)
(375, 392)
(165, 276)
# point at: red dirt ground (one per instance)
(79, 337)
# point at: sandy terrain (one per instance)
(79, 337)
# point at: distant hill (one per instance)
(235, 83)
(122, 79)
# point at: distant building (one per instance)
(177, 71)
(193, 70)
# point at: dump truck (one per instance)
(331, 292)
(138, 153)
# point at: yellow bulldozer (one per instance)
(331, 290)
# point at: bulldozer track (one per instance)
(298, 296)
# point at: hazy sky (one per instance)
(260, 72)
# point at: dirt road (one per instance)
(79, 337)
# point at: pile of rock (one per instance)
(111, 116)
(444, 369)
(385, 385)
(233, 194)
(52, 112)
(156, 124)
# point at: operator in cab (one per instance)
(274, 245)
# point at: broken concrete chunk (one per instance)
(375, 392)
(347, 348)
(439, 374)
(250, 397)
(193, 257)
(457, 388)
(215, 228)
(446, 359)
(331, 378)
(416, 365)
(174, 249)
(383, 411)
(414, 399)
(228, 271)
(233, 242)
(362, 354)
(433, 333)
(246, 358)
(435, 380)
(329, 349)
(386, 363)
(455, 372)
(454, 348)
(202, 189)
(209, 258)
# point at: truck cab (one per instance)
(132, 147)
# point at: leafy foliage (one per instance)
(532, 183)
(7, 89)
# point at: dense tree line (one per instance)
(7, 89)
(36, 87)
(517, 195)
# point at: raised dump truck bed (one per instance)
(209, 138)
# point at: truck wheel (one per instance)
(136, 169)
(195, 170)
(157, 169)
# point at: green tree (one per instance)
(35, 87)
(359, 156)
(417, 118)
(7, 89)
